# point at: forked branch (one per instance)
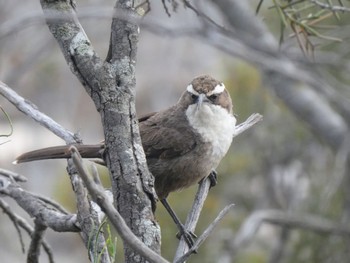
(182, 252)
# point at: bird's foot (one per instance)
(188, 236)
(213, 177)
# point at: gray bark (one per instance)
(111, 85)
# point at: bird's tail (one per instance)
(61, 152)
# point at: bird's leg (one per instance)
(213, 177)
(188, 235)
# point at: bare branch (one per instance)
(98, 194)
(110, 79)
(31, 110)
(205, 17)
(88, 218)
(252, 120)
(108, 82)
(205, 234)
(284, 75)
(203, 190)
(85, 210)
(193, 216)
(20, 222)
(292, 220)
(38, 209)
(35, 244)
(83, 204)
(13, 217)
(333, 8)
(13, 176)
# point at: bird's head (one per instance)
(207, 90)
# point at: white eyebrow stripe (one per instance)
(217, 90)
(191, 90)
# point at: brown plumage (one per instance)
(177, 141)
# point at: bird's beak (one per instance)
(201, 99)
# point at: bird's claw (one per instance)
(213, 177)
(188, 236)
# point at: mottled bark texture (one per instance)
(111, 85)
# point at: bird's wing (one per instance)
(145, 117)
(166, 141)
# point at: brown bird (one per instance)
(183, 144)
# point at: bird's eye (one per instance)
(213, 97)
(194, 97)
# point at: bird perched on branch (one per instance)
(183, 144)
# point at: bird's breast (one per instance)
(215, 125)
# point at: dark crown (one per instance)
(204, 84)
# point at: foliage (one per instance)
(307, 19)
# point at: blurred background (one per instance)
(280, 164)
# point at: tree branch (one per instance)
(205, 234)
(333, 8)
(20, 222)
(111, 85)
(202, 193)
(284, 74)
(292, 220)
(88, 218)
(15, 177)
(38, 209)
(35, 244)
(98, 194)
(14, 218)
(85, 210)
(32, 111)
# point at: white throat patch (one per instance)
(215, 125)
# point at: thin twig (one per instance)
(13, 176)
(205, 234)
(166, 8)
(9, 122)
(55, 220)
(193, 216)
(21, 222)
(204, 16)
(304, 221)
(38, 209)
(252, 120)
(32, 111)
(13, 217)
(333, 8)
(35, 244)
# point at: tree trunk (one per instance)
(111, 85)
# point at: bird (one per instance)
(183, 144)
